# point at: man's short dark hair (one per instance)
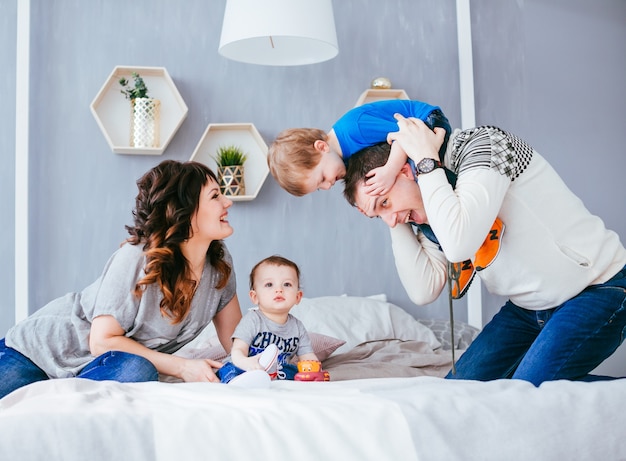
(360, 164)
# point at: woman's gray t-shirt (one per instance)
(56, 337)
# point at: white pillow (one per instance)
(358, 319)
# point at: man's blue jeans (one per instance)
(566, 342)
(17, 370)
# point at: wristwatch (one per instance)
(426, 165)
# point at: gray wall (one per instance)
(549, 70)
(553, 72)
(82, 193)
(8, 28)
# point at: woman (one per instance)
(171, 277)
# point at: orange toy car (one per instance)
(311, 370)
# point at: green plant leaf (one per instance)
(230, 155)
(138, 90)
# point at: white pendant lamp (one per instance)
(279, 32)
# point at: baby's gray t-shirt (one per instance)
(258, 332)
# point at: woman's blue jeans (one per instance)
(17, 370)
(566, 342)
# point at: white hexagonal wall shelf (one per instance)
(112, 110)
(244, 136)
(372, 95)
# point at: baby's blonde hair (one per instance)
(292, 156)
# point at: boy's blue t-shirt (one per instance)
(370, 123)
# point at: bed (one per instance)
(386, 401)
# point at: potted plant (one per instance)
(230, 160)
(145, 113)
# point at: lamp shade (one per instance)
(279, 32)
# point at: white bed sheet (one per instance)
(370, 419)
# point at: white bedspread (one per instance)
(397, 419)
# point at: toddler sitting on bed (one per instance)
(269, 338)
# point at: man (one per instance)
(562, 271)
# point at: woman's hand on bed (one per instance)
(199, 370)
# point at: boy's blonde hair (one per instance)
(292, 156)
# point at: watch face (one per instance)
(425, 165)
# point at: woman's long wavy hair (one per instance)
(169, 195)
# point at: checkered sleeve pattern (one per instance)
(490, 147)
